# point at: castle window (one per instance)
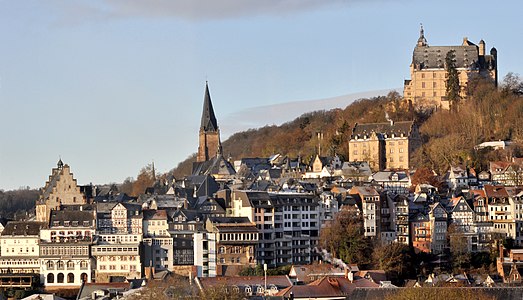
(423, 85)
(435, 94)
(423, 76)
(434, 84)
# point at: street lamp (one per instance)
(265, 272)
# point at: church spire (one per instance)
(209, 145)
(209, 122)
(422, 41)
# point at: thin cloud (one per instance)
(277, 114)
(193, 10)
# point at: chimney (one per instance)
(465, 41)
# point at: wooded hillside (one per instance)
(449, 137)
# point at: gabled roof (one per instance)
(154, 215)
(495, 191)
(218, 165)
(387, 176)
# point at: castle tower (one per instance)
(209, 141)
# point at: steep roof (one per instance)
(433, 57)
(216, 166)
(209, 122)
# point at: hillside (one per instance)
(449, 137)
(300, 136)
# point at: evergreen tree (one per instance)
(452, 82)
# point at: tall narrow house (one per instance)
(209, 142)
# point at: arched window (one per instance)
(83, 264)
(221, 250)
(259, 290)
(50, 278)
(60, 265)
(84, 277)
(50, 265)
(274, 289)
(70, 278)
(248, 291)
(60, 278)
(70, 265)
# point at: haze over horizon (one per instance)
(111, 85)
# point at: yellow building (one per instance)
(384, 145)
(427, 86)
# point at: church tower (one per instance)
(209, 142)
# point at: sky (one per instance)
(109, 86)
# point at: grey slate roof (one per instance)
(216, 166)
(23, 228)
(68, 215)
(434, 56)
(388, 128)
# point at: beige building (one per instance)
(60, 189)
(427, 86)
(384, 145)
(20, 247)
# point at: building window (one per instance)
(70, 278)
(423, 85)
(60, 278)
(434, 85)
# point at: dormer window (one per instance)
(66, 223)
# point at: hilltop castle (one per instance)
(427, 86)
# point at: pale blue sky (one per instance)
(110, 85)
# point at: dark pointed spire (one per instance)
(60, 164)
(422, 41)
(209, 122)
